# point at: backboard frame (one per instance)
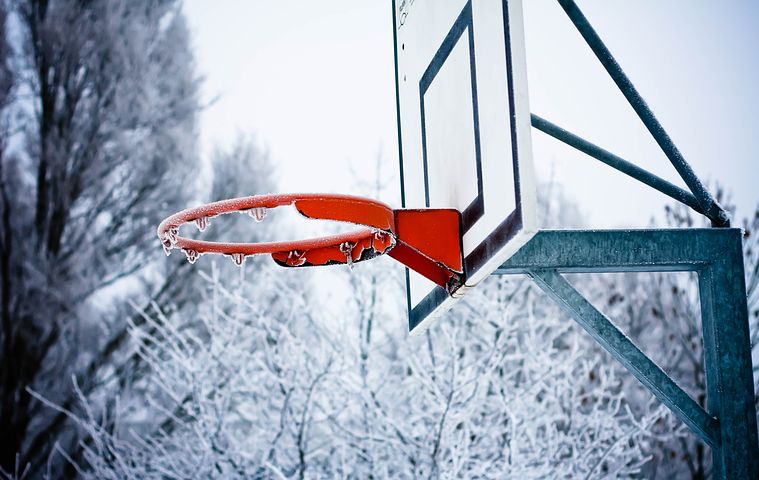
(496, 240)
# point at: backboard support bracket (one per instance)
(728, 424)
(429, 242)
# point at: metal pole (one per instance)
(712, 209)
(727, 350)
(618, 163)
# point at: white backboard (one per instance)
(464, 132)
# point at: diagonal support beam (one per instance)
(624, 350)
(617, 163)
(712, 209)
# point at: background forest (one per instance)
(117, 362)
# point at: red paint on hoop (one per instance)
(429, 237)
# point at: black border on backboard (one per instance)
(507, 229)
(463, 23)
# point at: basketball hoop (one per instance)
(426, 240)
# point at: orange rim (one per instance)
(343, 248)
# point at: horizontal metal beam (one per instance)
(713, 209)
(618, 163)
(624, 350)
(621, 250)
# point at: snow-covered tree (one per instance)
(105, 146)
(114, 365)
(270, 382)
(263, 384)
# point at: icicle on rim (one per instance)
(346, 248)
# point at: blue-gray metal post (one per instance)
(729, 377)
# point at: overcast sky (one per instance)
(314, 81)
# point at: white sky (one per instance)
(314, 81)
